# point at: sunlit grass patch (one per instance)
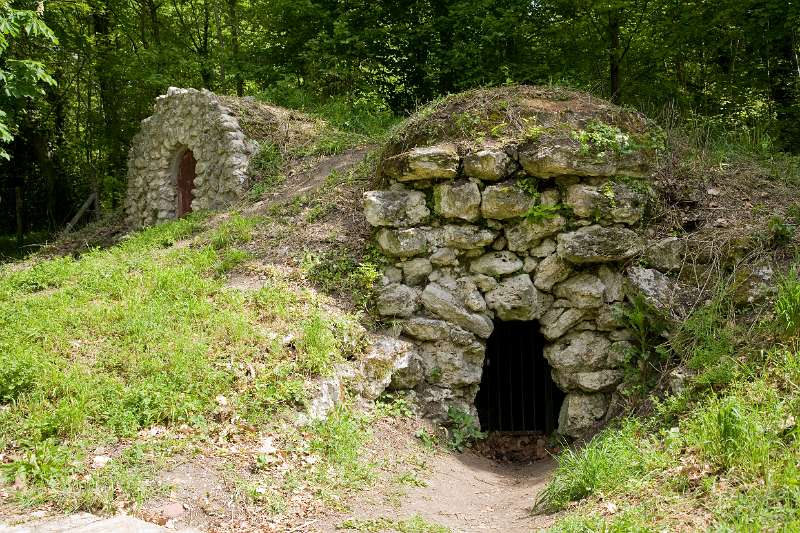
(120, 348)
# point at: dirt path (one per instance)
(467, 493)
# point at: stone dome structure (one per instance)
(508, 218)
(196, 151)
(190, 154)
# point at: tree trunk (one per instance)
(614, 56)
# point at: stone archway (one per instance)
(185, 121)
(523, 228)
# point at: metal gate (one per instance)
(517, 392)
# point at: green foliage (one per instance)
(780, 233)
(463, 429)
(541, 213)
(429, 440)
(599, 138)
(413, 524)
(144, 336)
(647, 324)
(787, 304)
(393, 406)
(605, 464)
(339, 272)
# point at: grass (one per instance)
(720, 456)
(140, 352)
(413, 524)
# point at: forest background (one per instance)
(78, 76)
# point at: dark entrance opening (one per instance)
(185, 182)
(517, 393)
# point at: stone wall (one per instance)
(197, 120)
(532, 230)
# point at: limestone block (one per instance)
(505, 200)
(424, 163)
(582, 290)
(598, 244)
(597, 381)
(580, 413)
(612, 202)
(526, 234)
(444, 304)
(483, 282)
(516, 298)
(558, 320)
(467, 237)
(472, 298)
(461, 199)
(488, 164)
(397, 300)
(578, 352)
(565, 157)
(667, 254)
(416, 270)
(427, 329)
(402, 242)
(444, 257)
(448, 364)
(550, 271)
(543, 249)
(614, 282)
(496, 264)
(659, 290)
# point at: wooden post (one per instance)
(89, 201)
(20, 234)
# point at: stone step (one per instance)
(89, 523)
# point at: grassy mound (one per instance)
(115, 364)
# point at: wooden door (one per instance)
(185, 182)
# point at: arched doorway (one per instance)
(517, 392)
(185, 182)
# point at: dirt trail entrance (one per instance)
(466, 493)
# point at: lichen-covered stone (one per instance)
(444, 304)
(544, 248)
(578, 352)
(667, 254)
(488, 164)
(558, 320)
(582, 290)
(612, 202)
(496, 264)
(505, 200)
(388, 356)
(461, 199)
(444, 257)
(448, 364)
(483, 282)
(566, 157)
(395, 208)
(580, 413)
(472, 298)
(402, 242)
(526, 234)
(598, 244)
(467, 237)
(397, 300)
(516, 298)
(596, 381)
(614, 283)
(424, 163)
(550, 271)
(658, 290)
(530, 264)
(427, 329)
(416, 270)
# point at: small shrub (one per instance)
(540, 213)
(780, 232)
(18, 372)
(598, 138)
(394, 406)
(317, 344)
(429, 440)
(787, 304)
(463, 429)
